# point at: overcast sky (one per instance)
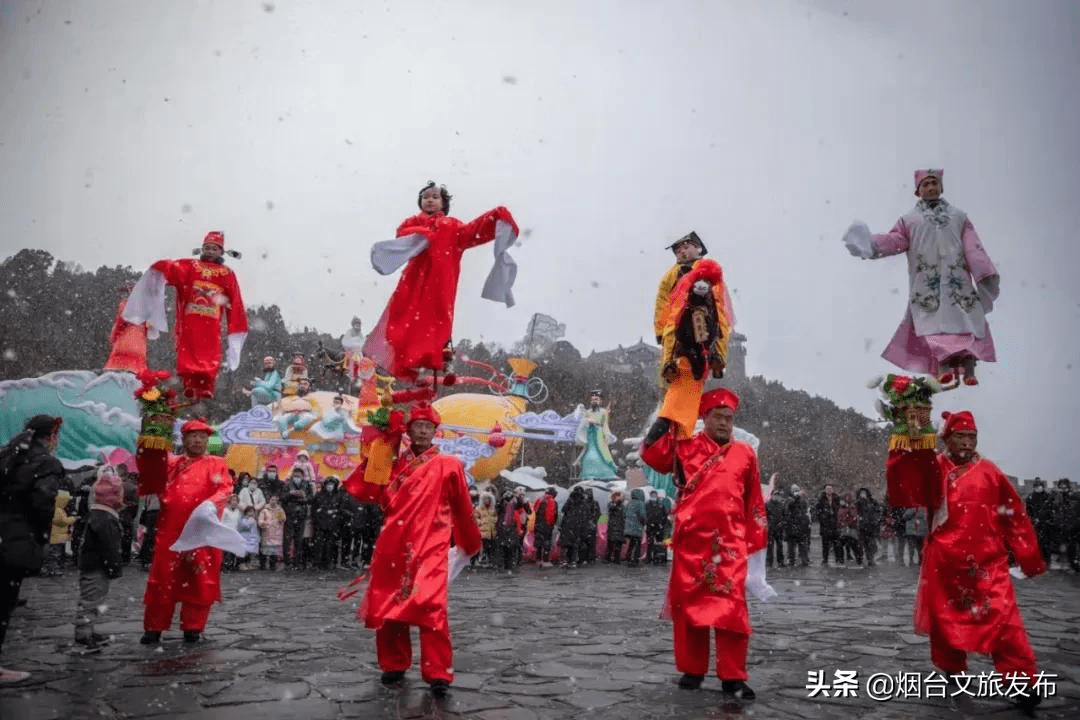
(303, 130)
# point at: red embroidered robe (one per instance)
(977, 519)
(203, 291)
(128, 342)
(195, 576)
(719, 521)
(425, 502)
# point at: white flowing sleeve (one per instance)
(500, 281)
(146, 303)
(857, 240)
(388, 255)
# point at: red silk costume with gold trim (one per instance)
(203, 291)
(966, 599)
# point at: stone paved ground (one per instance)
(539, 644)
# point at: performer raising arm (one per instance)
(414, 330)
(953, 285)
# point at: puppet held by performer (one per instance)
(693, 322)
(205, 290)
(128, 341)
(414, 332)
(978, 524)
(952, 285)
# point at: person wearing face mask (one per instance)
(296, 500)
(206, 291)
(952, 285)
(966, 602)
(414, 331)
(270, 483)
(251, 496)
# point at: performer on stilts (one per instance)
(205, 290)
(965, 601)
(414, 332)
(693, 322)
(952, 285)
(425, 500)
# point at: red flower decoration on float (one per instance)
(900, 383)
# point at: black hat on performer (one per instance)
(691, 237)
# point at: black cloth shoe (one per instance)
(150, 637)
(192, 636)
(393, 677)
(439, 688)
(738, 688)
(691, 682)
(1027, 703)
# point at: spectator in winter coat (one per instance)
(827, 512)
(869, 523)
(776, 510)
(635, 526)
(487, 522)
(1067, 523)
(59, 535)
(27, 501)
(511, 531)
(270, 483)
(373, 520)
(251, 496)
(230, 517)
(616, 526)
(325, 510)
(1040, 508)
(573, 528)
(296, 501)
(272, 524)
(546, 511)
(797, 527)
(348, 528)
(655, 526)
(249, 530)
(149, 509)
(588, 544)
(915, 532)
(848, 522)
(100, 559)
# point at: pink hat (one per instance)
(107, 490)
(921, 175)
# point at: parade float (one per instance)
(101, 415)
(484, 429)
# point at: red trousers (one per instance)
(692, 651)
(1011, 654)
(394, 648)
(158, 618)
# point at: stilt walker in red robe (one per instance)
(205, 289)
(414, 331)
(192, 578)
(425, 502)
(719, 521)
(128, 341)
(965, 601)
